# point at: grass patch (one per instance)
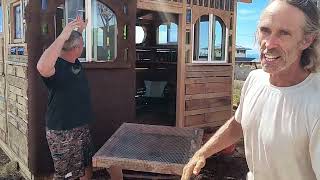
(237, 86)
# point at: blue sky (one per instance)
(247, 20)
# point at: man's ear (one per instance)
(308, 40)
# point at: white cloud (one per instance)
(247, 12)
(248, 18)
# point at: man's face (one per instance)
(281, 38)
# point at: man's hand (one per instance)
(193, 167)
(83, 24)
(77, 23)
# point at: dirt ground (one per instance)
(8, 170)
(218, 167)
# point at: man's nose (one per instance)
(271, 42)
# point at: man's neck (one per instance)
(68, 57)
(289, 78)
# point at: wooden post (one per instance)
(181, 64)
(115, 173)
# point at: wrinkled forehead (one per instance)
(282, 15)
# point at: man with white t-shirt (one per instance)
(279, 111)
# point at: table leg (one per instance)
(115, 173)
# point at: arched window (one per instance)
(219, 40)
(168, 33)
(209, 39)
(201, 35)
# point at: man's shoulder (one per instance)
(315, 78)
(257, 75)
(258, 72)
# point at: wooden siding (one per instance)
(207, 95)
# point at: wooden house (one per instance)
(171, 76)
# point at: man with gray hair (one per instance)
(69, 108)
(278, 115)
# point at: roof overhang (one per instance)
(245, 1)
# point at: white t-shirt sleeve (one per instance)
(314, 148)
(238, 114)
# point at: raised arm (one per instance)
(228, 134)
(48, 59)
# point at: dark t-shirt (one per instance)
(69, 103)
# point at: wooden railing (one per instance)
(227, 5)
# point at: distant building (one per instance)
(241, 55)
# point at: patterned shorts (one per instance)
(71, 151)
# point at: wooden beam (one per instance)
(233, 50)
(245, 1)
(162, 6)
(181, 68)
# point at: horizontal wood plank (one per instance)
(195, 88)
(209, 125)
(218, 87)
(207, 103)
(206, 96)
(208, 68)
(208, 80)
(216, 118)
(207, 110)
(209, 74)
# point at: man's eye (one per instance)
(284, 33)
(264, 30)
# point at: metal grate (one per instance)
(154, 143)
(152, 147)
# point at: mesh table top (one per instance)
(149, 148)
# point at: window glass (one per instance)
(218, 43)
(17, 22)
(209, 39)
(104, 32)
(140, 35)
(202, 38)
(74, 9)
(1, 19)
(168, 33)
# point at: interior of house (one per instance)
(156, 67)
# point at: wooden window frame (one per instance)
(12, 17)
(168, 34)
(211, 49)
(89, 40)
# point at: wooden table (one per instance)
(148, 148)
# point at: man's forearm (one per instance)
(228, 134)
